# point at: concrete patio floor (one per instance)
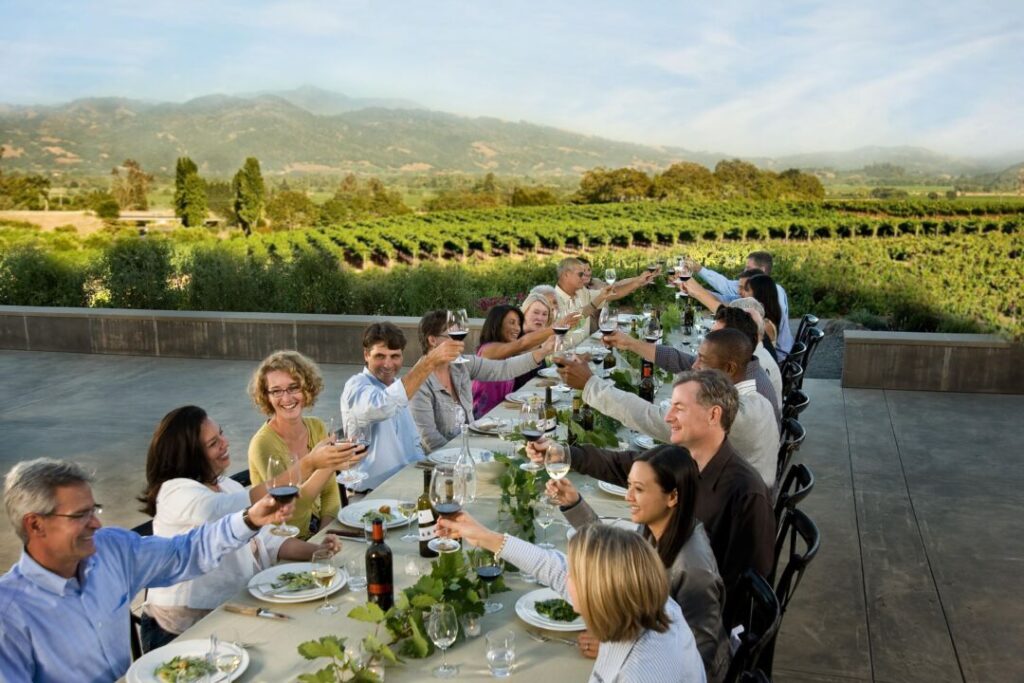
(917, 496)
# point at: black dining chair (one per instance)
(814, 337)
(798, 482)
(792, 377)
(757, 676)
(807, 321)
(793, 435)
(796, 354)
(135, 618)
(800, 535)
(759, 614)
(243, 477)
(794, 403)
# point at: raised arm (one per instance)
(503, 350)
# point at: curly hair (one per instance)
(302, 369)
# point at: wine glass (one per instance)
(447, 494)
(284, 490)
(562, 353)
(556, 459)
(652, 330)
(488, 569)
(443, 628)
(323, 573)
(544, 515)
(607, 321)
(609, 276)
(407, 507)
(561, 316)
(683, 273)
(357, 432)
(458, 328)
(531, 426)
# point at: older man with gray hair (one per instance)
(754, 308)
(65, 604)
(571, 293)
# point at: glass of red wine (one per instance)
(458, 328)
(608, 321)
(561, 324)
(683, 274)
(284, 489)
(447, 494)
(531, 426)
(488, 569)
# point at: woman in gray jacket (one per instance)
(662, 494)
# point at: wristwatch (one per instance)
(248, 521)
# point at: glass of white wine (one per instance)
(407, 507)
(323, 573)
(556, 459)
(609, 276)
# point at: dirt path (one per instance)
(86, 223)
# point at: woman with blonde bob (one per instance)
(617, 583)
(285, 384)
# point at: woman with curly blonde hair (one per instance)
(284, 384)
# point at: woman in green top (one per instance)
(285, 383)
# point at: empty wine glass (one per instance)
(544, 515)
(609, 276)
(443, 628)
(458, 328)
(284, 490)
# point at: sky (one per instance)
(749, 78)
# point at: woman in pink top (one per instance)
(502, 337)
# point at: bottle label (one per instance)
(425, 516)
(380, 588)
(428, 532)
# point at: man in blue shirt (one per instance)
(378, 398)
(65, 604)
(727, 290)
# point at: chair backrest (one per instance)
(243, 477)
(796, 353)
(797, 484)
(759, 614)
(792, 377)
(800, 535)
(135, 620)
(814, 337)
(794, 403)
(755, 677)
(807, 321)
(793, 435)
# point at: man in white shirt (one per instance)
(377, 397)
(572, 293)
(727, 290)
(754, 308)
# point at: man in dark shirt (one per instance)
(732, 500)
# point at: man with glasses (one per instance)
(571, 293)
(65, 604)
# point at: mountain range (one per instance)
(312, 130)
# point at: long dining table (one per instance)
(272, 644)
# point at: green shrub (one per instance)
(33, 277)
(137, 274)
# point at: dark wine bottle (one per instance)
(427, 518)
(609, 360)
(380, 578)
(550, 413)
(688, 319)
(587, 417)
(576, 417)
(646, 389)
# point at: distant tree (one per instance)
(683, 181)
(290, 209)
(107, 207)
(220, 199)
(130, 189)
(533, 196)
(30, 192)
(487, 184)
(884, 170)
(738, 179)
(601, 186)
(888, 193)
(352, 201)
(189, 194)
(182, 170)
(795, 184)
(250, 193)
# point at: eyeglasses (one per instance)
(278, 393)
(95, 511)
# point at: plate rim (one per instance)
(133, 673)
(282, 600)
(566, 627)
(605, 486)
(474, 450)
(380, 501)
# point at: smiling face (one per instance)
(211, 436)
(689, 422)
(648, 503)
(383, 363)
(285, 394)
(510, 327)
(536, 315)
(60, 543)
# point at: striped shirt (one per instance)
(57, 629)
(669, 657)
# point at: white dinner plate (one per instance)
(526, 611)
(449, 456)
(550, 373)
(486, 425)
(643, 441)
(627, 524)
(143, 670)
(611, 488)
(523, 396)
(268, 576)
(352, 515)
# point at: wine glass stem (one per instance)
(444, 658)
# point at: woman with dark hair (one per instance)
(762, 287)
(662, 496)
(448, 390)
(502, 337)
(186, 486)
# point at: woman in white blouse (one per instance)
(186, 486)
(617, 583)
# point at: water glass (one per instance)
(501, 652)
(356, 574)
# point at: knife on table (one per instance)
(255, 611)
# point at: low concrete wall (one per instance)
(972, 363)
(198, 334)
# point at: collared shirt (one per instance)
(581, 300)
(56, 629)
(433, 408)
(771, 368)
(394, 442)
(727, 290)
(732, 502)
(653, 657)
(755, 433)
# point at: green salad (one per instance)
(557, 609)
(194, 669)
(294, 581)
(382, 513)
